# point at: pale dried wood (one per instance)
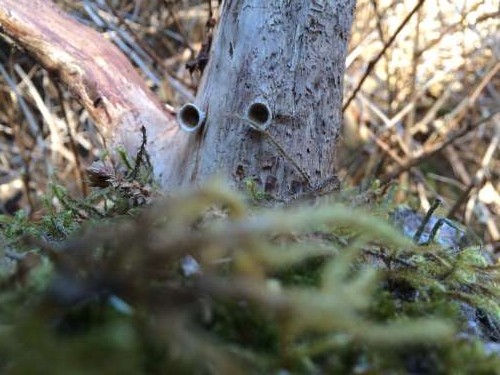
(99, 75)
(287, 54)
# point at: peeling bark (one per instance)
(286, 57)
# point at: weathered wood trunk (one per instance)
(290, 56)
(271, 92)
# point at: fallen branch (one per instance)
(99, 75)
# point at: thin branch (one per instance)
(72, 143)
(434, 150)
(374, 61)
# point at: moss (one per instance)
(307, 273)
(307, 290)
(237, 323)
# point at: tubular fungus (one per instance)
(190, 117)
(260, 114)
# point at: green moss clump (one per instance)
(327, 289)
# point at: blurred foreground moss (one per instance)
(204, 282)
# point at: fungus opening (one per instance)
(259, 113)
(190, 117)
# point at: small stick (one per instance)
(374, 61)
(140, 154)
(437, 148)
(428, 215)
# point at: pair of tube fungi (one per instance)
(191, 118)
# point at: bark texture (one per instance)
(289, 54)
(286, 55)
